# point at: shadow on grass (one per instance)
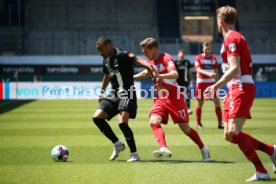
(6, 106)
(169, 161)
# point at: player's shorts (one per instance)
(172, 105)
(238, 101)
(200, 88)
(113, 105)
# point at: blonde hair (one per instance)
(149, 43)
(228, 14)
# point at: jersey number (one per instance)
(182, 114)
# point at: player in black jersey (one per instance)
(118, 70)
(185, 78)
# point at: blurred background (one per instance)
(54, 40)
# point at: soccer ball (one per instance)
(60, 153)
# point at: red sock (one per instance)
(195, 137)
(247, 147)
(219, 115)
(159, 134)
(258, 145)
(198, 115)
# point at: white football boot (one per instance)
(134, 157)
(205, 154)
(163, 152)
(273, 158)
(259, 177)
(199, 127)
(118, 147)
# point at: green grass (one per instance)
(29, 132)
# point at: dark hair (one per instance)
(103, 40)
(206, 44)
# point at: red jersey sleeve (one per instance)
(232, 47)
(169, 63)
(197, 62)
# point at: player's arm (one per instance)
(209, 74)
(233, 70)
(172, 74)
(143, 63)
(200, 71)
(105, 83)
(142, 75)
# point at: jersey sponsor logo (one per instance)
(116, 63)
(206, 61)
(113, 72)
(232, 47)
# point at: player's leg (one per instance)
(155, 123)
(99, 118)
(190, 132)
(235, 135)
(218, 113)
(200, 87)
(198, 113)
(123, 118)
(107, 109)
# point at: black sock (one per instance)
(105, 129)
(188, 103)
(129, 136)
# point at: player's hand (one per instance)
(209, 92)
(100, 98)
(212, 75)
(154, 73)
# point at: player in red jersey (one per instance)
(206, 66)
(168, 100)
(237, 65)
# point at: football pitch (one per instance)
(30, 129)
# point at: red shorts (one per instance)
(173, 106)
(238, 101)
(200, 88)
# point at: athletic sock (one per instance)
(258, 145)
(219, 115)
(128, 136)
(188, 102)
(246, 146)
(105, 129)
(198, 115)
(159, 134)
(195, 137)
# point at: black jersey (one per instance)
(119, 68)
(183, 71)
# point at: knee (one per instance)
(155, 121)
(200, 103)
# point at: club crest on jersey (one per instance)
(232, 47)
